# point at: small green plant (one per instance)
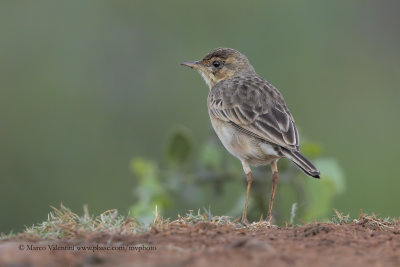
(191, 177)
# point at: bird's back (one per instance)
(255, 107)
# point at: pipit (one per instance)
(250, 117)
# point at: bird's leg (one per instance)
(249, 178)
(274, 169)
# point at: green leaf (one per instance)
(332, 173)
(179, 147)
(320, 193)
(143, 168)
(149, 192)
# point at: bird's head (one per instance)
(221, 64)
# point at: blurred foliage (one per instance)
(84, 88)
(151, 191)
(179, 148)
(186, 174)
(321, 194)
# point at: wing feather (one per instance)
(256, 107)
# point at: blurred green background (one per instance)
(85, 86)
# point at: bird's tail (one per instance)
(302, 162)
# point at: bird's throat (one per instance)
(209, 79)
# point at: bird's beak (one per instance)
(191, 64)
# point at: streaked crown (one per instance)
(221, 64)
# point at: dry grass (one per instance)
(368, 221)
(62, 223)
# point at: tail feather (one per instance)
(304, 164)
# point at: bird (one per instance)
(250, 117)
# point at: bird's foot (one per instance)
(267, 222)
(245, 222)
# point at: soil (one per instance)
(206, 244)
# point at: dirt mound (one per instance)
(208, 244)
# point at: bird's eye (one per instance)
(216, 63)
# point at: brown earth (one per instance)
(207, 244)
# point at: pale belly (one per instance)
(244, 147)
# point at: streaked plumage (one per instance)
(249, 115)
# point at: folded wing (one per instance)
(255, 107)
